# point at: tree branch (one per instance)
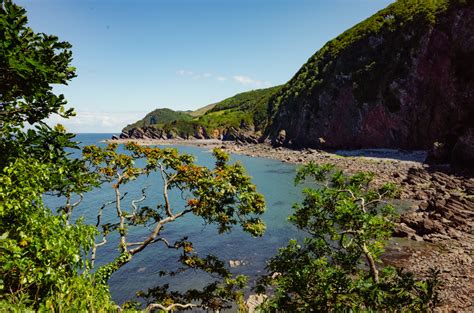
(373, 269)
(94, 250)
(70, 206)
(165, 191)
(170, 307)
(134, 202)
(157, 230)
(121, 216)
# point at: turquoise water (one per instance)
(274, 180)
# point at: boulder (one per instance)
(463, 151)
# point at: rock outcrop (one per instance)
(404, 78)
(444, 209)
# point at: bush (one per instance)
(337, 267)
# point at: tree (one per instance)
(337, 267)
(39, 255)
(47, 256)
(222, 196)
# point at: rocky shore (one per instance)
(436, 229)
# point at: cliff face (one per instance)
(404, 78)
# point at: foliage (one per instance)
(30, 62)
(47, 255)
(160, 117)
(248, 107)
(40, 252)
(223, 196)
(348, 222)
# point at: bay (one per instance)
(274, 179)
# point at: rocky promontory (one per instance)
(402, 79)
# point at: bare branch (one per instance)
(170, 307)
(67, 207)
(94, 249)
(370, 259)
(99, 214)
(157, 230)
(166, 242)
(75, 204)
(121, 216)
(134, 202)
(165, 191)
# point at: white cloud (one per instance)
(185, 73)
(97, 122)
(204, 75)
(245, 80)
(241, 79)
(193, 75)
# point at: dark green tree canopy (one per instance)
(29, 64)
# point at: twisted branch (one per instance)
(170, 307)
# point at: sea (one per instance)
(274, 179)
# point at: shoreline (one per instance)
(439, 222)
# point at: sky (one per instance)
(138, 55)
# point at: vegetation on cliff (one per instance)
(160, 117)
(400, 79)
(247, 110)
(411, 17)
(392, 81)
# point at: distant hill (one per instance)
(243, 115)
(201, 111)
(159, 117)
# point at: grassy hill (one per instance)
(160, 117)
(247, 110)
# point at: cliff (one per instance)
(404, 78)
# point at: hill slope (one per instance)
(404, 78)
(159, 117)
(241, 116)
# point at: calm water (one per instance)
(274, 180)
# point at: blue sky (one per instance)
(135, 56)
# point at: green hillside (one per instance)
(247, 110)
(160, 117)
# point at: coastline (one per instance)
(437, 229)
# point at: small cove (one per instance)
(274, 179)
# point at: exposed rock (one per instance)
(438, 154)
(253, 301)
(463, 151)
(406, 86)
(281, 138)
(237, 263)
